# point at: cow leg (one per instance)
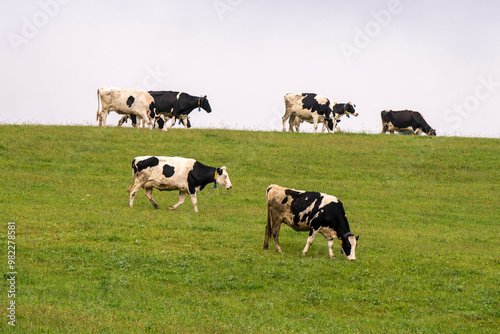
(184, 122)
(104, 116)
(172, 123)
(182, 197)
(133, 191)
(315, 123)
(194, 200)
(330, 248)
(272, 230)
(123, 120)
(149, 195)
(147, 121)
(330, 235)
(268, 229)
(284, 119)
(310, 240)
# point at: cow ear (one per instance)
(223, 168)
(357, 237)
(219, 171)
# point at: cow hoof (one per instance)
(157, 206)
(171, 208)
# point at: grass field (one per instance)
(426, 208)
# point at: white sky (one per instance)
(441, 58)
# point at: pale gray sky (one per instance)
(438, 57)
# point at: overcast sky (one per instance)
(441, 58)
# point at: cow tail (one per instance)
(269, 228)
(98, 105)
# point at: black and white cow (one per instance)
(405, 120)
(338, 110)
(341, 109)
(174, 173)
(125, 101)
(308, 211)
(307, 107)
(177, 104)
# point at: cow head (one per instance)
(160, 120)
(203, 103)
(222, 178)
(349, 242)
(432, 132)
(349, 109)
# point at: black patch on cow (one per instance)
(301, 201)
(130, 101)
(284, 200)
(309, 102)
(146, 163)
(168, 170)
(134, 167)
(152, 113)
(161, 122)
(134, 119)
(200, 176)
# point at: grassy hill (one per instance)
(427, 210)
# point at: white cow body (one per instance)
(125, 101)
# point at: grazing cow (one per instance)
(405, 120)
(308, 211)
(177, 104)
(165, 173)
(307, 107)
(133, 102)
(183, 119)
(338, 109)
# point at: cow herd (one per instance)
(301, 210)
(158, 107)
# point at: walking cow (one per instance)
(174, 173)
(308, 107)
(338, 110)
(177, 105)
(125, 101)
(308, 211)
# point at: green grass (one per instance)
(427, 210)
